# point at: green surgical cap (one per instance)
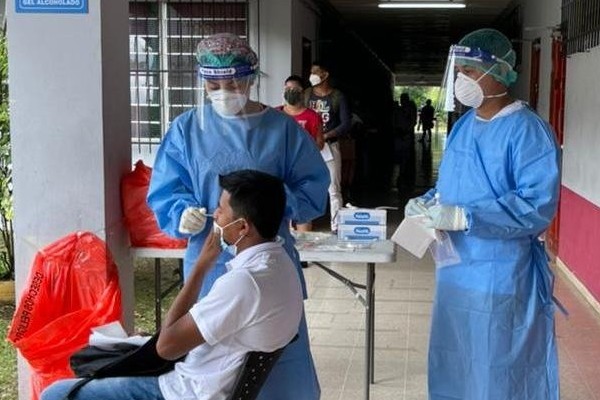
(494, 42)
(225, 50)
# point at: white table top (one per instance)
(376, 252)
(152, 252)
(371, 252)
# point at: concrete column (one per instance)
(70, 127)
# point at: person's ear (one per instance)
(246, 227)
(251, 81)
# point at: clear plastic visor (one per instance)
(459, 56)
(225, 93)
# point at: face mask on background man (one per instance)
(314, 79)
(292, 96)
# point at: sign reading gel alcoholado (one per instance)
(52, 6)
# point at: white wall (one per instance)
(539, 16)
(581, 161)
(69, 105)
(581, 136)
(305, 17)
(270, 37)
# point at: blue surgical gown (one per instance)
(194, 152)
(492, 333)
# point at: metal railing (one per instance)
(162, 41)
(581, 25)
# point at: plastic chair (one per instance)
(254, 373)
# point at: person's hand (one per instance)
(447, 218)
(193, 220)
(210, 250)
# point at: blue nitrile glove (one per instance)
(447, 218)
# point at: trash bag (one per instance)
(139, 218)
(72, 287)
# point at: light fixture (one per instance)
(422, 4)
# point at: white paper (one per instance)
(112, 329)
(413, 236)
(107, 336)
(326, 153)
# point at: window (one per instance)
(581, 25)
(162, 41)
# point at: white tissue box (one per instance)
(362, 232)
(362, 216)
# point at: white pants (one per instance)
(335, 188)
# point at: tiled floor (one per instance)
(578, 345)
(404, 292)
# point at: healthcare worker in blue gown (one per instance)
(492, 329)
(228, 132)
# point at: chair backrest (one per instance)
(254, 373)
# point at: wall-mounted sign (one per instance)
(52, 6)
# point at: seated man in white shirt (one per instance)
(255, 306)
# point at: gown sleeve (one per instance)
(306, 178)
(528, 208)
(171, 189)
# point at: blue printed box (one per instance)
(362, 232)
(362, 216)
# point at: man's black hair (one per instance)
(257, 197)
(295, 78)
(324, 65)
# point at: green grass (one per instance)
(144, 319)
(8, 356)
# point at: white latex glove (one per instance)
(447, 218)
(415, 206)
(193, 220)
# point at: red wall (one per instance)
(579, 243)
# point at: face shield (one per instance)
(224, 92)
(227, 68)
(474, 57)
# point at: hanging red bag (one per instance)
(72, 287)
(139, 218)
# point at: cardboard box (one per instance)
(362, 216)
(362, 232)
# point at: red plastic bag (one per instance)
(139, 218)
(72, 287)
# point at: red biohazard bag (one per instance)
(139, 218)
(72, 287)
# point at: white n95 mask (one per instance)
(314, 79)
(227, 103)
(468, 91)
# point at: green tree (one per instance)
(7, 254)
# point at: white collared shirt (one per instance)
(255, 306)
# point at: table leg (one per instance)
(157, 294)
(371, 271)
(369, 319)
